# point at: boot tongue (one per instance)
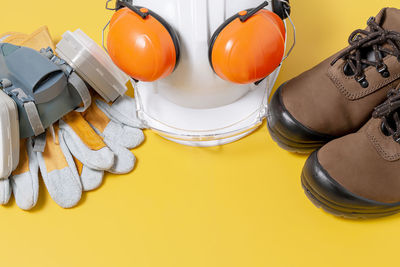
(389, 19)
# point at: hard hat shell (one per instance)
(147, 49)
(194, 84)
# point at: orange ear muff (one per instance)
(248, 51)
(145, 48)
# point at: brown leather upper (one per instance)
(327, 101)
(366, 163)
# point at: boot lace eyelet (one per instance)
(383, 70)
(396, 138)
(363, 81)
(347, 70)
(384, 130)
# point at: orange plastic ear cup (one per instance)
(247, 52)
(143, 48)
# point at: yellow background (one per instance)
(236, 205)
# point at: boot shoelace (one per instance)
(388, 112)
(375, 38)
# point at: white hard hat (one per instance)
(193, 105)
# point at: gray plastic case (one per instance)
(9, 135)
(92, 64)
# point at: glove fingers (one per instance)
(25, 179)
(119, 133)
(5, 191)
(59, 173)
(91, 179)
(123, 135)
(100, 158)
(124, 159)
(62, 185)
(26, 189)
(122, 110)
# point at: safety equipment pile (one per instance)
(215, 63)
(75, 152)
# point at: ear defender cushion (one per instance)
(145, 49)
(247, 52)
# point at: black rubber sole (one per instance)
(340, 211)
(288, 132)
(291, 146)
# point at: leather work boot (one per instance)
(337, 96)
(358, 176)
